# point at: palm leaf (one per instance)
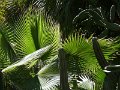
(81, 57)
(20, 73)
(86, 83)
(19, 36)
(47, 34)
(109, 47)
(78, 46)
(49, 77)
(28, 34)
(4, 52)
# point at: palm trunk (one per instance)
(99, 54)
(63, 71)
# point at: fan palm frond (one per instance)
(4, 52)
(109, 47)
(49, 77)
(19, 36)
(27, 59)
(81, 57)
(20, 73)
(29, 34)
(78, 46)
(47, 34)
(86, 83)
(25, 36)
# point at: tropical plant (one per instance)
(20, 38)
(82, 61)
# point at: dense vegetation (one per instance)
(59, 44)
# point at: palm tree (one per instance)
(81, 56)
(24, 33)
(21, 39)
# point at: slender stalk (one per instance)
(99, 54)
(63, 71)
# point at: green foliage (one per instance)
(4, 52)
(20, 73)
(20, 37)
(49, 77)
(26, 30)
(81, 58)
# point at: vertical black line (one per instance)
(63, 71)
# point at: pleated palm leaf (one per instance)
(49, 77)
(4, 52)
(21, 74)
(22, 39)
(86, 83)
(81, 58)
(81, 61)
(19, 36)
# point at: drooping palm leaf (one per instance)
(21, 37)
(49, 77)
(21, 75)
(81, 57)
